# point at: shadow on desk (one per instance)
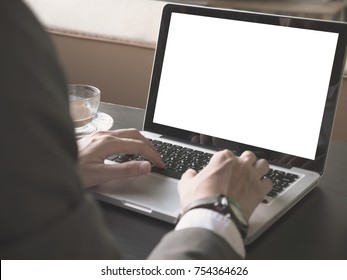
(135, 234)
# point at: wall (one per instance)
(122, 72)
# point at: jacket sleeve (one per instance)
(193, 243)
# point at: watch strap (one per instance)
(221, 204)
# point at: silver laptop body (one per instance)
(225, 79)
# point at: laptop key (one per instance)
(167, 172)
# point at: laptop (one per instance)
(226, 79)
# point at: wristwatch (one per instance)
(225, 206)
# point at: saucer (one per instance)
(101, 122)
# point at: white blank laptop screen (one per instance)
(257, 84)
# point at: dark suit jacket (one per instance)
(45, 213)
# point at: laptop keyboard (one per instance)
(178, 159)
(280, 181)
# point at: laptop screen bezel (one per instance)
(318, 163)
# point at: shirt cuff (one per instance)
(214, 221)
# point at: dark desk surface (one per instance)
(316, 228)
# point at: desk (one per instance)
(316, 228)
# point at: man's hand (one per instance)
(93, 151)
(241, 178)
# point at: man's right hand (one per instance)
(241, 178)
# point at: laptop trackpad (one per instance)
(151, 194)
